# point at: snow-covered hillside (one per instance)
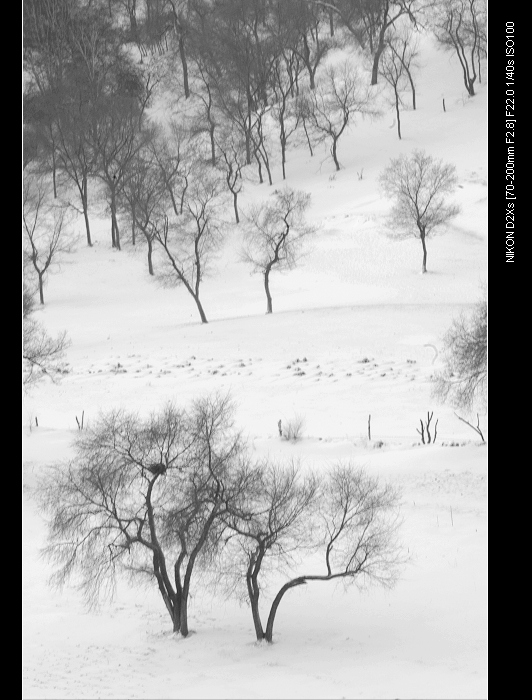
(355, 331)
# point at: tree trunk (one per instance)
(200, 308)
(115, 235)
(213, 146)
(259, 166)
(253, 594)
(184, 65)
(235, 205)
(85, 205)
(380, 46)
(397, 113)
(376, 61)
(150, 251)
(269, 307)
(54, 172)
(267, 164)
(133, 226)
(308, 139)
(333, 153)
(412, 86)
(41, 289)
(268, 636)
(424, 266)
(177, 615)
(183, 614)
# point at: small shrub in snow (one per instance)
(292, 430)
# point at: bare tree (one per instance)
(311, 46)
(275, 235)
(45, 228)
(333, 105)
(370, 22)
(463, 380)
(174, 152)
(392, 70)
(145, 196)
(75, 157)
(419, 184)
(271, 527)
(359, 520)
(146, 497)
(231, 163)
(42, 354)
(396, 68)
(285, 74)
(405, 46)
(348, 517)
(191, 243)
(118, 133)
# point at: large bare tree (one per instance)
(346, 516)
(147, 497)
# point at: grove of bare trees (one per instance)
(178, 499)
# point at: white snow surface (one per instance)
(356, 330)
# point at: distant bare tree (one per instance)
(42, 354)
(45, 228)
(191, 243)
(118, 134)
(396, 68)
(174, 153)
(370, 22)
(460, 26)
(276, 233)
(144, 196)
(340, 95)
(405, 46)
(285, 74)
(463, 380)
(419, 184)
(231, 163)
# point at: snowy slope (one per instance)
(355, 331)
